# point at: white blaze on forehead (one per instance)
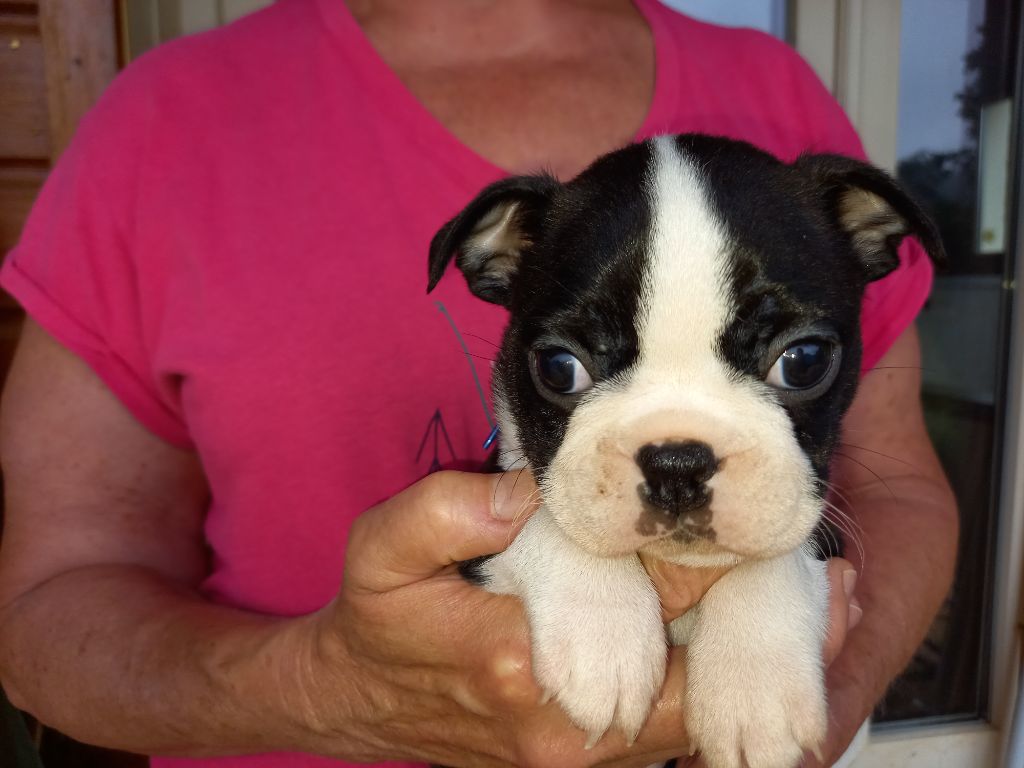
(686, 301)
(680, 389)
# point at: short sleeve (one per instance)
(75, 269)
(892, 303)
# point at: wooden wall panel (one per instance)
(56, 57)
(25, 133)
(81, 59)
(18, 189)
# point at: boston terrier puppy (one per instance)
(683, 341)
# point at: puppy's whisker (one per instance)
(504, 473)
(481, 338)
(570, 293)
(516, 481)
(868, 469)
(899, 368)
(842, 526)
(847, 535)
(524, 504)
(503, 457)
(840, 517)
(816, 550)
(837, 546)
(878, 453)
(513, 468)
(527, 502)
(833, 490)
(846, 516)
(847, 525)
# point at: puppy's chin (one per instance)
(759, 502)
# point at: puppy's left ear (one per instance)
(873, 210)
(490, 235)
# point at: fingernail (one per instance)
(849, 582)
(512, 495)
(856, 614)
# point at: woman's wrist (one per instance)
(294, 678)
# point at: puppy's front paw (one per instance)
(603, 662)
(599, 647)
(767, 709)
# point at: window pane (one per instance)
(956, 62)
(766, 15)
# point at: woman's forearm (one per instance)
(908, 529)
(121, 657)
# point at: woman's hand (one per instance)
(412, 662)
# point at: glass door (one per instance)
(951, 131)
(957, 74)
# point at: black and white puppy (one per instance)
(683, 341)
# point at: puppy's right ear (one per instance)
(490, 235)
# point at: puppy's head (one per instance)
(683, 336)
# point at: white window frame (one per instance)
(853, 45)
(147, 23)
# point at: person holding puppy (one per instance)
(232, 384)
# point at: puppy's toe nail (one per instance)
(816, 751)
(692, 749)
(592, 740)
(545, 697)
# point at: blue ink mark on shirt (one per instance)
(491, 437)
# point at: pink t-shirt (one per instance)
(236, 243)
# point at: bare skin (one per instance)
(102, 546)
(528, 85)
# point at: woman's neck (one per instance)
(529, 84)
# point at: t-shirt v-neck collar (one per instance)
(393, 96)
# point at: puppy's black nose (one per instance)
(676, 475)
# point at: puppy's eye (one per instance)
(803, 365)
(561, 372)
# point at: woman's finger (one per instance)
(843, 610)
(679, 587)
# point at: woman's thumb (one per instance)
(445, 518)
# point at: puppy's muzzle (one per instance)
(676, 475)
